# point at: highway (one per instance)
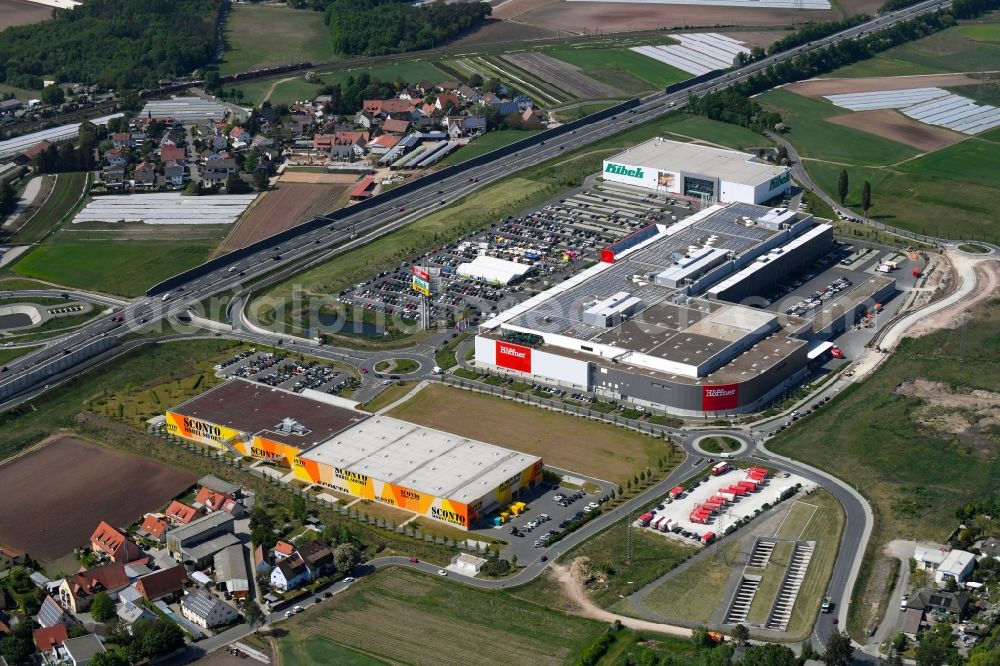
(290, 257)
(326, 242)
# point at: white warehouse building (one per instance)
(686, 169)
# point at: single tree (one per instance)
(102, 608)
(110, 658)
(253, 615)
(740, 634)
(842, 186)
(53, 94)
(866, 197)
(298, 509)
(345, 557)
(839, 650)
(769, 654)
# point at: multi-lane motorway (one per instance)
(286, 259)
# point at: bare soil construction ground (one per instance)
(55, 494)
(891, 124)
(972, 417)
(606, 17)
(288, 204)
(561, 74)
(316, 177)
(19, 12)
(821, 87)
(987, 287)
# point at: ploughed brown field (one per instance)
(607, 17)
(55, 495)
(285, 206)
(20, 12)
(822, 87)
(891, 124)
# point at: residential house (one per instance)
(117, 156)
(8, 558)
(51, 613)
(169, 139)
(425, 86)
(322, 100)
(382, 144)
(220, 142)
(448, 86)
(215, 172)
(348, 145)
(523, 102)
(172, 154)
(462, 126)
(957, 565)
(427, 109)
(940, 601)
(145, 175)
(231, 571)
(282, 550)
(446, 101)
(297, 123)
(409, 93)
(260, 562)
(176, 174)
(261, 141)
(469, 94)
(47, 639)
(162, 583)
(393, 126)
(210, 500)
(122, 140)
(364, 119)
(153, 528)
(31, 153)
(179, 513)
(198, 541)
(206, 610)
(130, 612)
(114, 544)
(989, 547)
(531, 119)
(929, 556)
(912, 621)
(77, 591)
(289, 573)
(218, 485)
(81, 651)
(505, 108)
(317, 557)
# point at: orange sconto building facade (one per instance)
(432, 473)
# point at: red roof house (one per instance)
(46, 639)
(153, 527)
(179, 513)
(114, 544)
(162, 583)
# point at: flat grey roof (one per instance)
(728, 165)
(210, 547)
(422, 459)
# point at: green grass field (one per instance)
(653, 555)
(484, 144)
(580, 111)
(696, 592)
(285, 92)
(264, 35)
(582, 446)
(409, 71)
(969, 47)
(825, 527)
(719, 444)
(627, 70)
(115, 267)
(813, 137)
(436, 614)
(8, 355)
(914, 474)
(317, 650)
(65, 194)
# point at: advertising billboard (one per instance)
(720, 397)
(204, 432)
(421, 286)
(669, 181)
(268, 449)
(513, 357)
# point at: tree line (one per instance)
(112, 43)
(379, 27)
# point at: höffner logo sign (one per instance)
(620, 170)
(719, 393)
(512, 351)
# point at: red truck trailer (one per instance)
(645, 518)
(720, 468)
(676, 492)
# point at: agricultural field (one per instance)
(917, 454)
(436, 611)
(21, 12)
(279, 91)
(570, 78)
(57, 198)
(284, 206)
(85, 483)
(626, 70)
(265, 35)
(816, 138)
(564, 441)
(489, 67)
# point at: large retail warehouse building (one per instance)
(690, 170)
(435, 474)
(653, 323)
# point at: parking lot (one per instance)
(559, 239)
(679, 510)
(278, 371)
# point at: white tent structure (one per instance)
(491, 269)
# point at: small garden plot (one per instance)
(166, 208)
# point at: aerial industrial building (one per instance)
(658, 322)
(435, 474)
(689, 170)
